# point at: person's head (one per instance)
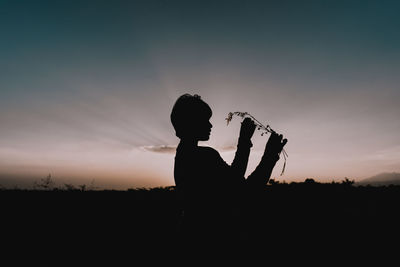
(190, 117)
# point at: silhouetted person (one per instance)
(210, 189)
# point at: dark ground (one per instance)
(91, 228)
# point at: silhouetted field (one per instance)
(76, 225)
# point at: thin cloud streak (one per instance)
(160, 149)
(171, 149)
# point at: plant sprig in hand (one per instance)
(265, 129)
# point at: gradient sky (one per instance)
(86, 87)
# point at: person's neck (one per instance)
(189, 143)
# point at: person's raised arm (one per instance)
(239, 163)
(261, 175)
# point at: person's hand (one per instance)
(247, 129)
(275, 144)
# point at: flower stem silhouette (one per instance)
(265, 129)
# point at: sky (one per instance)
(87, 87)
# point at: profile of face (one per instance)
(202, 128)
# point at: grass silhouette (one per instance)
(74, 223)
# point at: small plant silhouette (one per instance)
(70, 187)
(81, 187)
(347, 182)
(45, 183)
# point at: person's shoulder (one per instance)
(209, 150)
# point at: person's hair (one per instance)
(187, 109)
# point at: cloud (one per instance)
(171, 149)
(168, 149)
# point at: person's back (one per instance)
(204, 183)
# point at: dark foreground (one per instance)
(117, 228)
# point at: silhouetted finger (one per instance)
(284, 142)
(273, 136)
(247, 120)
